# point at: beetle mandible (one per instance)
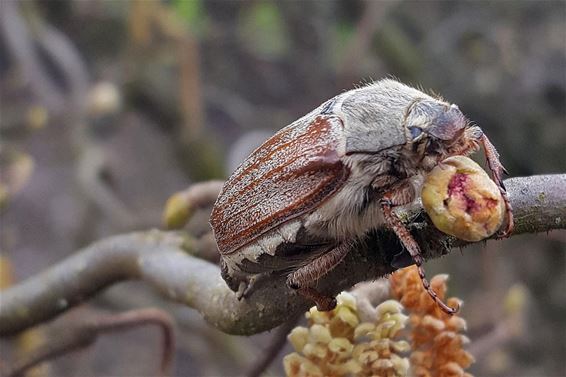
(296, 205)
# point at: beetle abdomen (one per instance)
(284, 248)
(289, 175)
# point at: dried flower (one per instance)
(436, 338)
(462, 200)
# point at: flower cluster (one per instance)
(436, 339)
(379, 356)
(326, 346)
(337, 344)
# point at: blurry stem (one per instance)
(162, 260)
(190, 89)
(502, 333)
(20, 45)
(91, 168)
(28, 340)
(373, 16)
(24, 39)
(21, 40)
(86, 333)
(277, 342)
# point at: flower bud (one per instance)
(462, 200)
(178, 210)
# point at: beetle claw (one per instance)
(326, 305)
(242, 290)
(246, 287)
(505, 233)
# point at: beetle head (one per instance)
(435, 121)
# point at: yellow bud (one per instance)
(383, 364)
(349, 368)
(401, 364)
(3, 195)
(346, 299)
(104, 98)
(516, 299)
(401, 346)
(347, 316)
(314, 316)
(298, 366)
(389, 306)
(315, 350)
(37, 117)
(400, 322)
(319, 334)
(298, 338)
(462, 200)
(6, 272)
(177, 211)
(341, 346)
(364, 329)
(368, 356)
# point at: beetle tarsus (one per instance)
(323, 302)
(293, 285)
(246, 287)
(242, 288)
(497, 169)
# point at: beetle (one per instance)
(298, 203)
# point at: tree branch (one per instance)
(162, 260)
(84, 334)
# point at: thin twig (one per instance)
(161, 259)
(202, 194)
(275, 346)
(86, 333)
(373, 16)
(503, 332)
(21, 40)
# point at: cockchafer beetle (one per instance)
(296, 205)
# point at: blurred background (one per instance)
(109, 107)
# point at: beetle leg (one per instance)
(497, 170)
(323, 302)
(250, 285)
(243, 286)
(400, 197)
(304, 276)
(224, 272)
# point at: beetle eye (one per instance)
(415, 132)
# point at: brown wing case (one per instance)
(290, 174)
